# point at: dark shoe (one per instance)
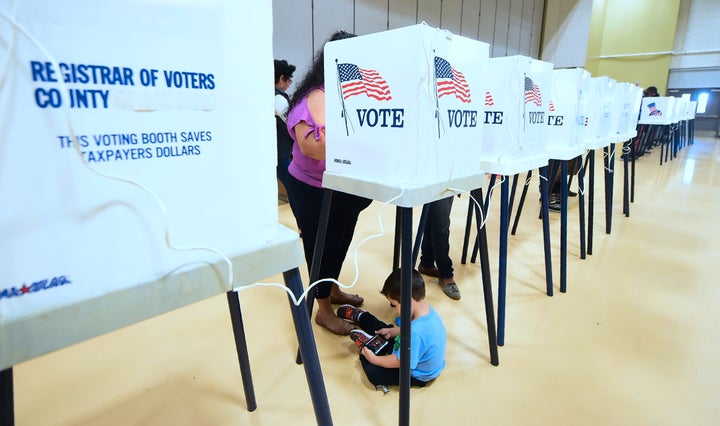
(349, 312)
(572, 194)
(360, 337)
(430, 271)
(554, 202)
(451, 290)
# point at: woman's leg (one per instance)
(307, 201)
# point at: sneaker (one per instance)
(360, 337)
(349, 312)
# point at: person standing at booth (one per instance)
(435, 250)
(283, 78)
(306, 125)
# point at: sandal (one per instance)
(451, 290)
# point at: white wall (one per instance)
(696, 53)
(567, 28)
(300, 27)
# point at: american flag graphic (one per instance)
(653, 110)
(551, 107)
(489, 99)
(356, 81)
(532, 92)
(450, 81)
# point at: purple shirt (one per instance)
(303, 168)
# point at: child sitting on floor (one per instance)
(427, 340)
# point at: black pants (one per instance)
(344, 212)
(376, 374)
(436, 238)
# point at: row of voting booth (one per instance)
(408, 126)
(413, 125)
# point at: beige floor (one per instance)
(634, 341)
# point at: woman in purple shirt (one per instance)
(306, 124)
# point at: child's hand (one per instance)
(389, 333)
(368, 354)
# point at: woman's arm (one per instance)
(312, 140)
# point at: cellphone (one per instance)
(377, 344)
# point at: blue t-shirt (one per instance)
(427, 346)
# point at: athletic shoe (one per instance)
(360, 337)
(349, 312)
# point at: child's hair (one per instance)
(393, 286)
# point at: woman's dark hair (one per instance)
(283, 68)
(315, 76)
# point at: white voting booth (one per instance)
(564, 123)
(403, 113)
(631, 96)
(657, 110)
(135, 174)
(595, 107)
(515, 116)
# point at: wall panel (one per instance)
(470, 18)
(371, 16)
(450, 15)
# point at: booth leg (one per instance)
(405, 314)
(545, 213)
(468, 227)
(419, 234)
(581, 211)
(487, 283)
(521, 203)
(396, 246)
(308, 350)
(486, 208)
(241, 348)
(591, 200)
(502, 267)
(563, 226)
(318, 251)
(7, 403)
(626, 178)
(609, 161)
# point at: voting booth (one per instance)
(630, 108)
(516, 113)
(657, 110)
(127, 170)
(564, 123)
(596, 101)
(403, 110)
(609, 115)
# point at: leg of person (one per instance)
(308, 201)
(439, 217)
(344, 214)
(369, 323)
(427, 256)
(380, 375)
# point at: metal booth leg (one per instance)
(241, 348)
